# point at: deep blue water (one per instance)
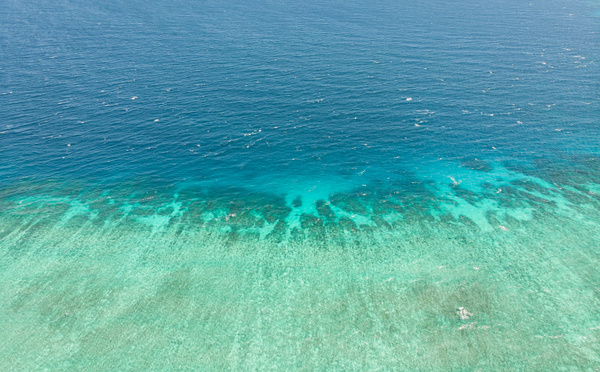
(318, 185)
(263, 94)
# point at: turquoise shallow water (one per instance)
(326, 186)
(180, 278)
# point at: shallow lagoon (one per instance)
(180, 278)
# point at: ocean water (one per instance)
(320, 185)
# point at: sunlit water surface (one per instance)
(205, 185)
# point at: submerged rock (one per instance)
(463, 313)
(476, 164)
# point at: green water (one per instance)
(178, 278)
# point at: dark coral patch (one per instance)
(476, 164)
